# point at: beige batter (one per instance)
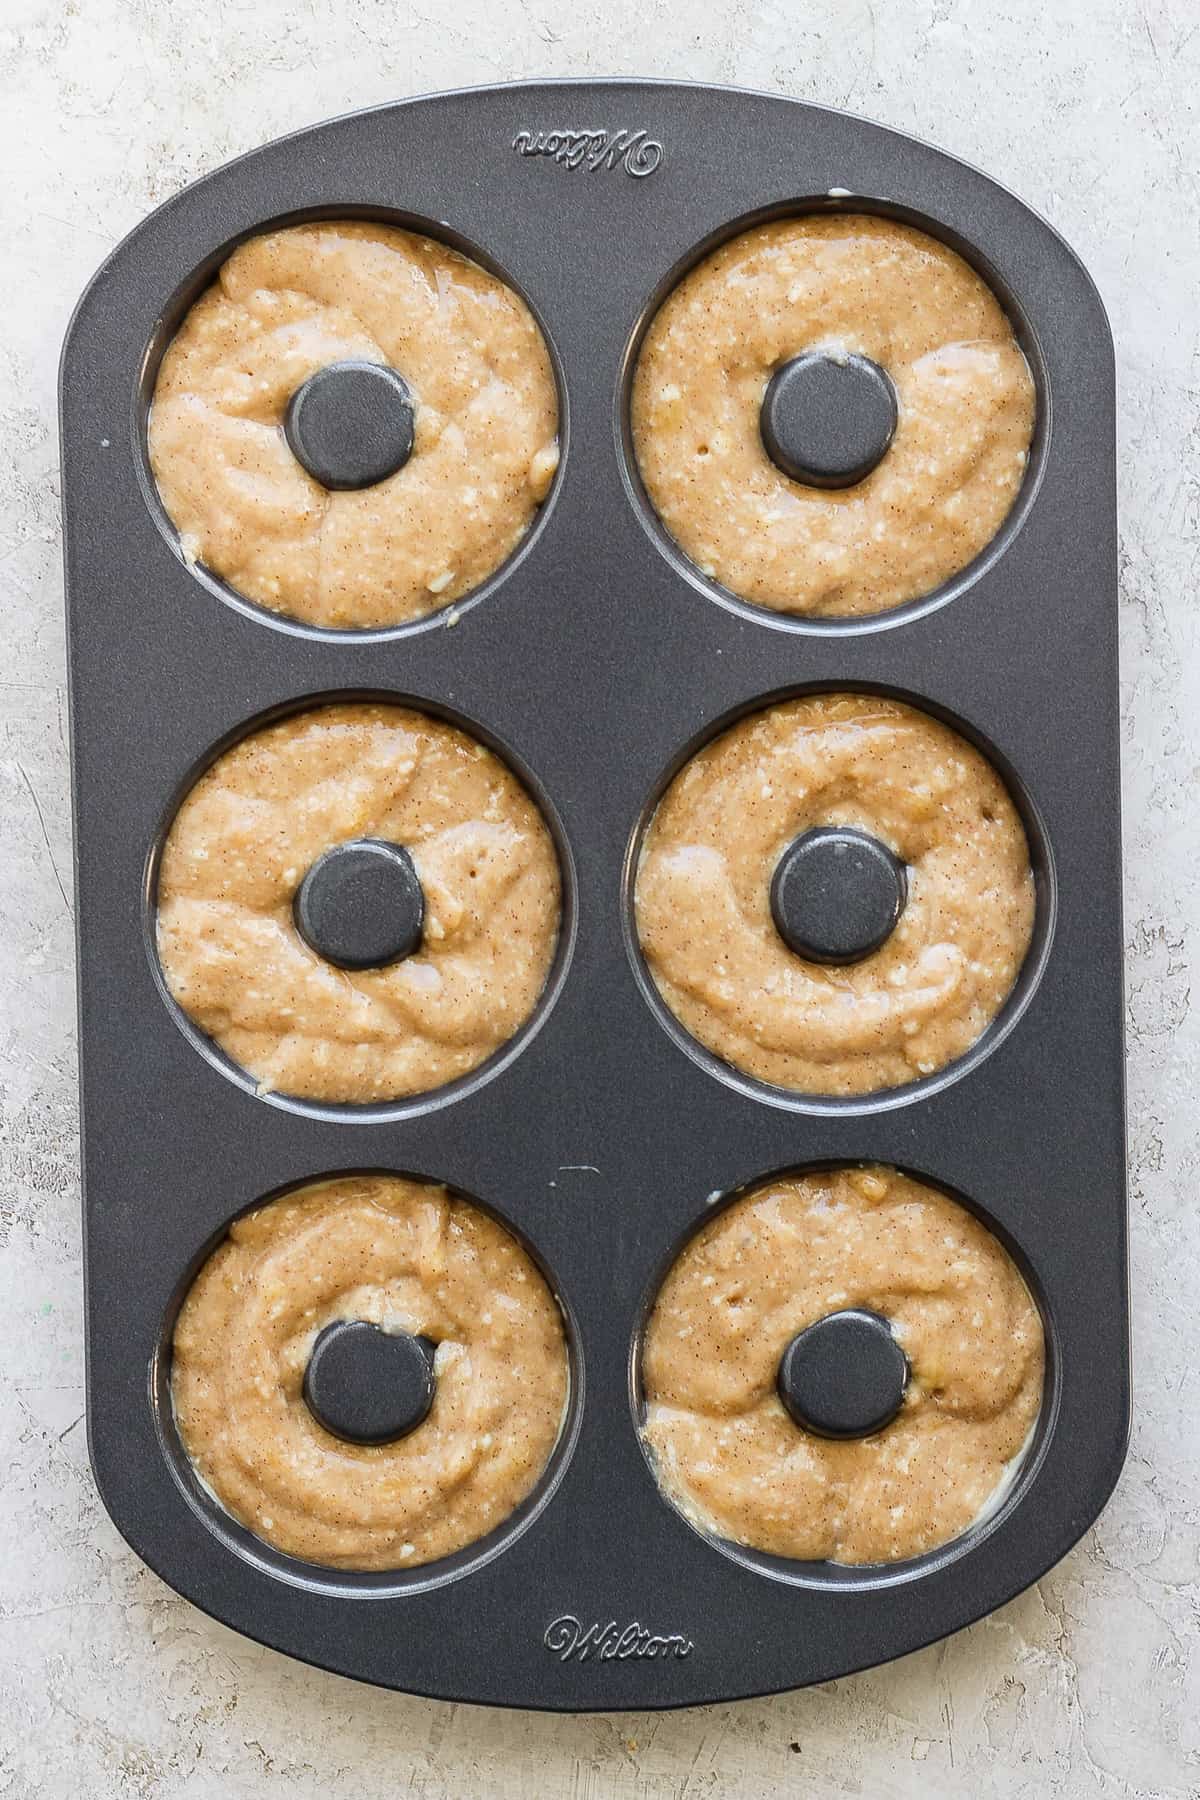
(703, 895)
(287, 304)
(247, 834)
(406, 1256)
(846, 283)
(787, 1254)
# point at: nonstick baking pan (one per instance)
(596, 660)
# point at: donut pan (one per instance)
(596, 660)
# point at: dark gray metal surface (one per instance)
(596, 660)
(837, 894)
(361, 904)
(844, 1376)
(828, 421)
(351, 424)
(367, 1385)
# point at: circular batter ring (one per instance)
(293, 301)
(401, 1254)
(846, 284)
(703, 908)
(786, 1254)
(242, 842)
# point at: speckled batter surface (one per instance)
(241, 844)
(291, 302)
(406, 1256)
(842, 283)
(787, 1254)
(703, 895)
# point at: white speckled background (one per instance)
(109, 1685)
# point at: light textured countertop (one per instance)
(1090, 1684)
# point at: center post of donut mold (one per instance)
(844, 1376)
(361, 905)
(351, 424)
(828, 420)
(367, 1385)
(837, 894)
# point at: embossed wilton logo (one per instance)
(566, 1637)
(634, 151)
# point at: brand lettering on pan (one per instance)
(634, 151)
(567, 1637)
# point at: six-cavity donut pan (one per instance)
(596, 661)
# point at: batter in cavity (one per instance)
(786, 1255)
(406, 1256)
(245, 837)
(294, 301)
(703, 895)
(845, 284)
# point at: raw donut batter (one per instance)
(408, 1257)
(242, 842)
(789, 1253)
(844, 283)
(703, 905)
(294, 301)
